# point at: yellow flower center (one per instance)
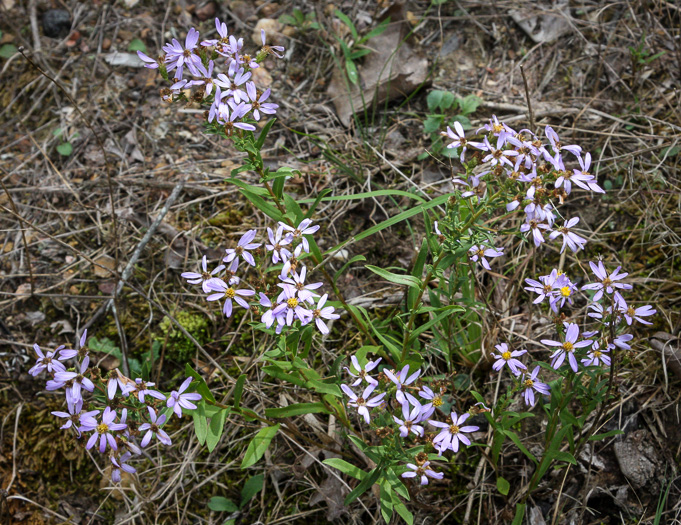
(528, 383)
(230, 293)
(292, 302)
(598, 354)
(567, 345)
(506, 355)
(102, 428)
(631, 312)
(437, 401)
(565, 291)
(453, 429)
(481, 253)
(607, 281)
(497, 128)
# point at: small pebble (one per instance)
(56, 23)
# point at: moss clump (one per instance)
(179, 347)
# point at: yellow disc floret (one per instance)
(230, 293)
(102, 428)
(567, 345)
(292, 302)
(506, 355)
(565, 291)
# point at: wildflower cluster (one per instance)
(135, 414)
(291, 300)
(412, 415)
(217, 72)
(531, 174)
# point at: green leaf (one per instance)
(434, 98)
(611, 433)
(258, 445)
(275, 371)
(364, 485)
(202, 387)
(316, 202)
(65, 149)
(296, 410)
(8, 50)
(514, 437)
(239, 390)
(251, 488)
(404, 513)
(351, 69)
(405, 280)
(503, 486)
(200, 423)
(344, 18)
(345, 467)
(355, 259)
(433, 123)
(386, 500)
(137, 45)
(220, 504)
(447, 100)
(469, 104)
(261, 204)
(380, 28)
(359, 53)
(325, 388)
(519, 514)
(215, 429)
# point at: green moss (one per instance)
(179, 347)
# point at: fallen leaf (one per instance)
(392, 70)
(108, 262)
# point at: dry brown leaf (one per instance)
(392, 70)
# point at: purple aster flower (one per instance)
(230, 120)
(621, 341)
(232, 82)
(596, 356)
(120, 464)
(278, 243)
(74, 381)
(75, 416)
(567, 348)
(103, 430)
(258, 103)
(179, 400)
(630, 313)
(177, 56)
(245, 244)
(141, 389)
(149, 62)
(291, 306)
(570, 239)
(401, 381)
(435, 401)
(459, 139)
(530, 385)
(564, 290)
(114, 383)
(82, 350)
(215, 106)
(536, 228)
(480, 252)
(363, 403)
(291, 262)
(363, 373)
(46, 361)
(608, 282)
(232, 49)
(498, 129)
(436, 229)
(202, 278)
(228, 292)
(411, 419)
(268, 317)
(506, 357)
(451, 435)
(304, 228)
(323, 312)
(205, 78)
(547, 286)
(497, 156)
(154, 428)
(582, 178)
(424, 472)
(305, 292)
(270, 50)
(221, 28)
(557, 146)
